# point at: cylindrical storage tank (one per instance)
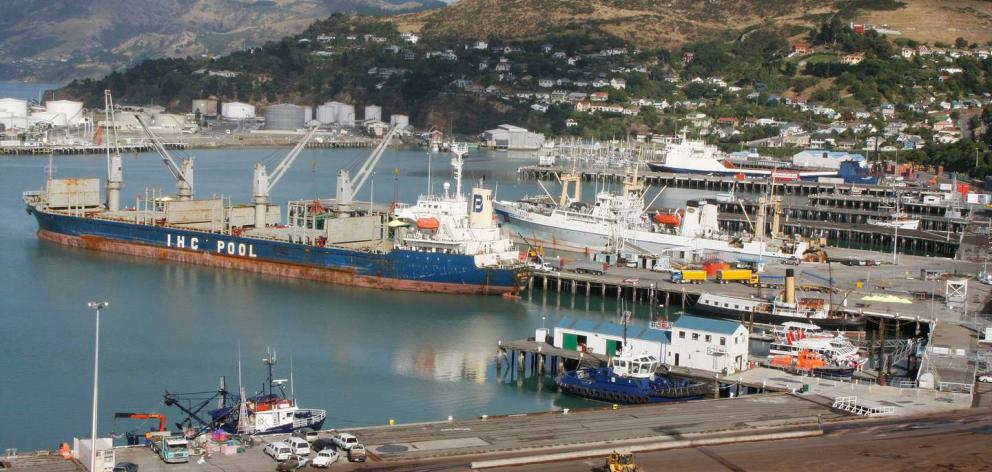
(14, 106)
(72, 111)
(237, 110)
(307, 114)
(50, 117)
(206, 107)
(327, 113)
(284, 117)
(373, 113)
(401, 121)
(346, 114)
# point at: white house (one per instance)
(699, 343)
(708, 344)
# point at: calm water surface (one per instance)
(366, 356)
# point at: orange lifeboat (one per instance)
(428, 223)
(669, 219)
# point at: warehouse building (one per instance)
(512, 138)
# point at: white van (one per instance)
(279, 451)
(299, 446)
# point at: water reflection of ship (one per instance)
(445, 365)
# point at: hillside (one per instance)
(937, 20)
(52, 40)
(644, 23)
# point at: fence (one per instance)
(850, 405)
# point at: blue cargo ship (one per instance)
(331, 240)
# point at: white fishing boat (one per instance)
(618, 220)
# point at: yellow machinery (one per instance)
(620, 462)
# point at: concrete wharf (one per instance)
(816, 213)
(706, 182)
(546, 432)
(854, 235)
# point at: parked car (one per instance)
(346, 441)
(323, 443)
(632, 264)
(356, 453)
(126, 467)
(299, 446)
(325, 458)
(279, 450)
(306, 434)
(985, 378)
(294, 462)
(631, 281)
(791, 261)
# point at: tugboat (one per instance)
(268, 412)
(629, 378)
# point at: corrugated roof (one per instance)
(706, 324)
(610, 328)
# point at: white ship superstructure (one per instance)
(450, 223)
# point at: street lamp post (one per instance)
(97, 306)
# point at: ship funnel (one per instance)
(481, 208)
(790, 286)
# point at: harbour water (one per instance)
(366, 356)
(24, 91)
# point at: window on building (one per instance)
(709, 338)
(681, 334)
(695, 336)
(723, 341)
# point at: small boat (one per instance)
(270, 411)
(629, 379)
(810, 362)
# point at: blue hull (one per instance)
(397, 269)
(600, 384)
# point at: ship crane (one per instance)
(144, 416)
(263, 182)
(348, 188)
(183, 175)
(115, 171)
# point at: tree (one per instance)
(960, 43)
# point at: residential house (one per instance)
(618, 84)
(853, 58)
(545, 83)
(599, 96)
(410, 37)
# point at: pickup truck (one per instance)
(345, 441)
(171, 449)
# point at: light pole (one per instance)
(96, 366)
